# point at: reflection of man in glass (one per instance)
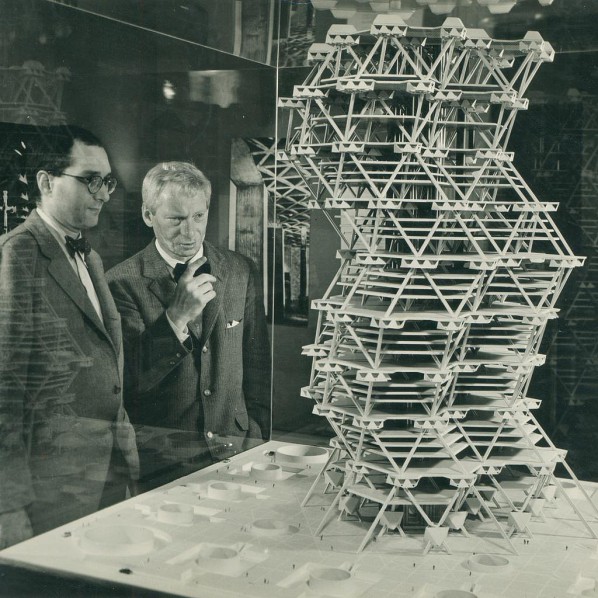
(196, 345)
(66, 448)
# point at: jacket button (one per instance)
(204, 349)
(207, 392)
(116, 389)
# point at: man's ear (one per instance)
(147, 215)
(44, 182)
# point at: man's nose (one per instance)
(102, 194)
(186, 228)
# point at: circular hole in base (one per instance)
(221, 559)
(302, 454)
(173, 513)
(328, 579)
(488, 563)
(266, 471)
(224, 491)
(270, 527)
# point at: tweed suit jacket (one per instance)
(221, 380)
(61, 407)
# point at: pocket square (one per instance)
(232, 323)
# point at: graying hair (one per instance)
(184, 176)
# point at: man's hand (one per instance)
(191, 296)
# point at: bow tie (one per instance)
(179, 270)
(80, 245)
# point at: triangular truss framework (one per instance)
(287, 190)
(31, 94)
(429, 333)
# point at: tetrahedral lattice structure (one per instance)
(286, 189)
(31, 94)
(450, 267)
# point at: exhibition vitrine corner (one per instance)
(552, 142)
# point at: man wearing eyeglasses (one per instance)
(66, 445)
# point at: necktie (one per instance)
(179, 270)
(80, 245)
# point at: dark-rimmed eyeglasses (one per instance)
(94, 182)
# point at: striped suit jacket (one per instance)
(222, 383)
(61, 410)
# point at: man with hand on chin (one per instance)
(61, 408)
(196, 344)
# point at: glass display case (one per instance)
(256, 94)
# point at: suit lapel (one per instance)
(62, 272)
(214, 307)
(155, 268)
(109, 311)
(163, 288)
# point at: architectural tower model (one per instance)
(450, 268)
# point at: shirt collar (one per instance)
(172, 262)
(58, 231)
(56, 226)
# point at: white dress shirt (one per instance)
(77, 261)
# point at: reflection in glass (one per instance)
(288, 231)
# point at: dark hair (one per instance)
(55, 144)
(51, 150)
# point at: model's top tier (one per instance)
(450, 63)
(452, 32)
